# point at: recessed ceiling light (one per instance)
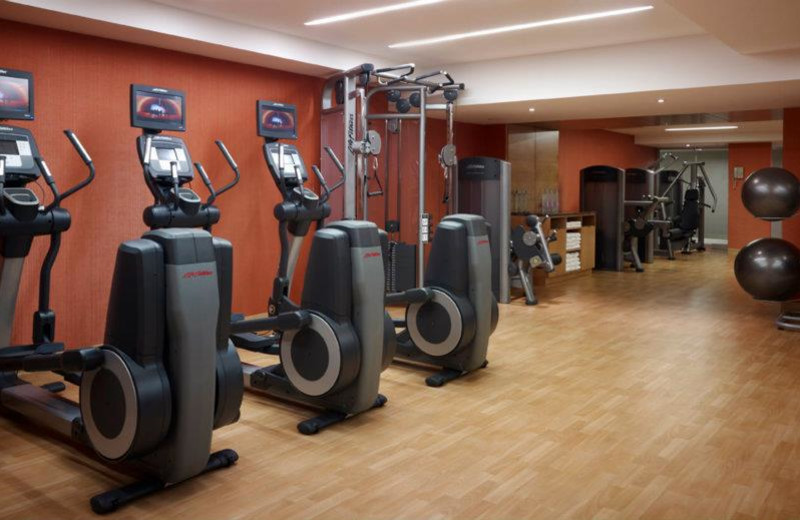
(531, 109)
(371, 12)
(520, 27)
(660, 100)
(701, 128)
(688, 145)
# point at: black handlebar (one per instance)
(335, 159)
(204, 176)
(78, 146)
(2, 184)
(213, 194)
(233, 166)
(227, 154)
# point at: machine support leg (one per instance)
(110, 501)
(527, 285)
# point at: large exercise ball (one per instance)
(771, 194)
(769, 269)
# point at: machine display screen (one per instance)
(157, 108)
(16, 95)
(166, 154)
(276, 120)
(8, 147)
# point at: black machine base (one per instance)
(110, 501)
(408, 354)
(329, 418)
(446, 375)
(272, 380)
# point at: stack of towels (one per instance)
(573, 240)
(573, 261)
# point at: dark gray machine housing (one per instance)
(604, 190)
(148, 323)
(484, 188)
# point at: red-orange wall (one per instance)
(82, 82)
(791, 161)
(742, 226)
(578, 149)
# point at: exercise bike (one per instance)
(529, 250)
(133, 406)
(331, 346)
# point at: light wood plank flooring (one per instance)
(666, 394)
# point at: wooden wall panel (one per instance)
(533, 154)
(82, 83)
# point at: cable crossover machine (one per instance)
(351, 146)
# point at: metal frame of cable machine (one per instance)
(699, 180)
(348, 92)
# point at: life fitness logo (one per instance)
(483, 242)
(373, 254)
(197, 274)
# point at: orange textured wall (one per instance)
(578, 149)
(791, 161)
(82, 82)
(742, 226)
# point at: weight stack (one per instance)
(401, 274)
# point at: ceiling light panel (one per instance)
(521, 27)
(371, 12)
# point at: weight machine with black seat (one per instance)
(682, 214)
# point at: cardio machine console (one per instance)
(155, 109)
(276, 121)
(17, 145)
(164, 151)
(293, 168)
(18, 148)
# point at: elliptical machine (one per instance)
(448, 321)
(529, 250)
(134, 406)
(331, 346)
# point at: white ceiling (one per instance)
(372, 35)
(700, 55)
(749, 26)
(747, 132)
(754, 96)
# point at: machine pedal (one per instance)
(55, 387)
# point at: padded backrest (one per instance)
(690, 213)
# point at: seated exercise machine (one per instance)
(681, 215)
(332, 346)
(529, 250)
(134, 405)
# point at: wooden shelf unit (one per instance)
(558, 223)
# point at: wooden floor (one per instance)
(666, 394)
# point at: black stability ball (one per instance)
(769, 269)
(771, 194)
